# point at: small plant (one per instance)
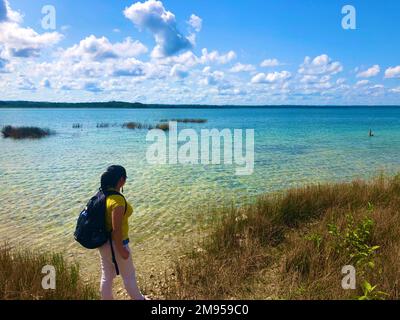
(370, 292)
(355, 240)
(315, 238)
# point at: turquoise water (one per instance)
(45, 183)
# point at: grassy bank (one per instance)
(293, 245)
(21, 277)
(289, 245)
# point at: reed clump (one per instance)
(163, 126)
(19, 133)
(103, 125)
(186, 120)
(137, 126)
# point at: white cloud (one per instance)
(309, 79)
(376, 90)
(99, 49)
(369, 73)
(340, 81)
(395, 90)
(7, 14)
(151, 15)
(179, 71)
(270, 63)
(320, 65)
(392, 72)
(195, 22)
(362, 83)
(91, 86)
(271, 77)
(207, 69)
(45, 83)
(188, 59)
(18, 41)
(212, 78)
(239, 67)
(26, 84)
(216, 57)
(128, 68)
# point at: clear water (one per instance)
(45, 183)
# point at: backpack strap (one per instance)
(114, 260)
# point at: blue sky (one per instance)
(201, 51)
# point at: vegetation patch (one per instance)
(19, 133)
(103, 125)
(186, 120)
(21, 277)
(137, 126)
(293, 245)
(163, 126)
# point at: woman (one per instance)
(117, 214)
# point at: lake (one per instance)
(45, 183)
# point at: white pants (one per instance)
(126, 269)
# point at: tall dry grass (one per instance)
(283, 246)
(21, 277)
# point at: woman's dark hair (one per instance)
(110, 178)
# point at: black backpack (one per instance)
(91, 231)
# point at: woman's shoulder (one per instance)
(116, 199)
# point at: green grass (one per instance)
(21, 277)
(293, 245)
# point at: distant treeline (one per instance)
(138, 105)
(99, 105)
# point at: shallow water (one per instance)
(45, 183)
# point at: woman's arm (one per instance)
(117, 217)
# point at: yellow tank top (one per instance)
(112, 203)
